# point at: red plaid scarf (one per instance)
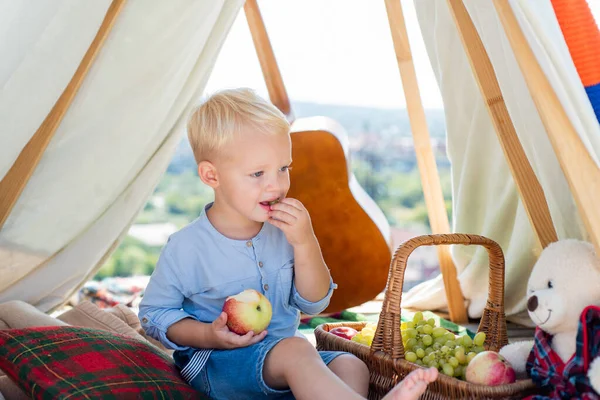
(566, 380)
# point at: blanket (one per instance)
(308, 324)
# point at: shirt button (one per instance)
(249, 243)
(144, 320)
(260, 264)
(266, 287)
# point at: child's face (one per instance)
(254, 171)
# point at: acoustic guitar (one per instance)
(352, 231)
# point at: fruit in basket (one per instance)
(344, 332)
(362, 339)
(366, 334)
(426, 344)
(479, 339)
(247, 311)
(491, 369)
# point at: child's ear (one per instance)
(208, 173)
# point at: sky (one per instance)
(331, 51)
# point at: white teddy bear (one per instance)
(563, 297)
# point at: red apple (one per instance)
(247, 311)
(491, 369)
(344, 332)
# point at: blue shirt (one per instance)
(199, 267)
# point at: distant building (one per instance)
(152, 234)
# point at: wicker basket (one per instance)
(385, 357)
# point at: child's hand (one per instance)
(293, 219)
(225, 339)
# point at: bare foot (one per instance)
(411, 387)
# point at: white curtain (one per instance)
(485, 199)
(117, 137)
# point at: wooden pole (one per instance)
(266, 57)
(579, 168)
(16, 179)
(432, 190)
(530, 190)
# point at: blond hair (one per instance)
(220, 118)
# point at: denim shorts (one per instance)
(238, 373)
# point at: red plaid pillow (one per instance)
(80, 363)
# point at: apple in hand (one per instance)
(344, 332)
(491, 369)
(247, 311)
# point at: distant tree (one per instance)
(133, 261)
(420, 215)
(176, 203)
(108, 269)
(373, 183)
(132, 257)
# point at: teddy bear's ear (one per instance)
(588, 255)
(595, 257)
(592, 256)
(573, 252)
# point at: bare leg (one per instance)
(296, 364)
(353, 371)
(413, 385)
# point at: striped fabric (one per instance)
(583, 39)
(195, 365)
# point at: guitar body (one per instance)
(353, 233)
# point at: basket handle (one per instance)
(388, 337)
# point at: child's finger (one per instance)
(221, 321)
(258, 338)
(283, 216)
(277, 224)
(293, 202)
(241, 340)
(247, 337)
(288, 208)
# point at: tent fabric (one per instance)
(485, 198)
(116, 139)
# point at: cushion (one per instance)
(18, 314)
(83, 363)
(120, 319)
(88, 315)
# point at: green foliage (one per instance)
(132, 257)
(400, 195)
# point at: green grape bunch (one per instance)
(429, 345)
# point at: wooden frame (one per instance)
(581, 172)
(528, 186)
(432, 189)
(266, 57)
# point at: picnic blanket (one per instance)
(308, 324)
